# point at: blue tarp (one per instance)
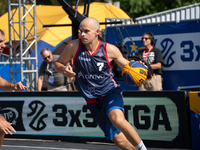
(5, 72)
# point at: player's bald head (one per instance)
(91, 22)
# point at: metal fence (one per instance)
(190, 12)
(124, 21)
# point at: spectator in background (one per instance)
(153, 56)
(6, 127)
(56, 81)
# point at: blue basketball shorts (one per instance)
(100, 110)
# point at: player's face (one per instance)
(88, 33)
(2, 44)
(146, 40)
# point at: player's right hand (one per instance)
(19, 86)
(68, 71)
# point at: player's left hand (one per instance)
(142, 63)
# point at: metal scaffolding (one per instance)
(23, 42)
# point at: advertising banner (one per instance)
(178, 42)
(65, 114)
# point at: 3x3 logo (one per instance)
(37, 122)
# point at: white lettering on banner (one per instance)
(180, 51)
(69, 116)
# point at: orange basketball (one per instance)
(134, 73)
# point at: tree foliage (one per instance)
(134, 8)
(3, 7)
(138, 8)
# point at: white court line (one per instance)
(17, 146)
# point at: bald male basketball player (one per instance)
(94, 77)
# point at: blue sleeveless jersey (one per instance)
(94, 74)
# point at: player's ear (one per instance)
(97, 32)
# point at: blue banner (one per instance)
(178, 42)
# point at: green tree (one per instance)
(138, 8)
(3, 6)
(134, 8)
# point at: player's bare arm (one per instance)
(68, 53)
(5, 85)
(115, 54)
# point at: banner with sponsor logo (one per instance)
(65, 114)
(178, 42)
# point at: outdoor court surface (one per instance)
(26, 144)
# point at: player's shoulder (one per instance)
(112, 51)
(72, 45)
(110, 47)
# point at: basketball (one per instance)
(134, 73)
